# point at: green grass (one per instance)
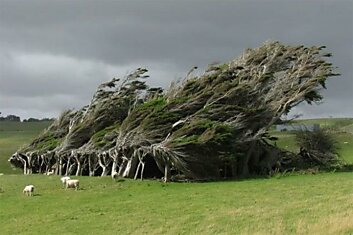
(343, 135)
(12, 136)
(295, 204)
(344, 143)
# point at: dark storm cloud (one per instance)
(66, 48)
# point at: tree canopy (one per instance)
(208, 126)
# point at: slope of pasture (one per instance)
(12, 136)
(335, 123)
(343, 133)
(295, 204)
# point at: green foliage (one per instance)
(320, 140)
(99, 139)
(229, 107)
(152, 105)
(47, 143)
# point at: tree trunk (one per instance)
(127, 168)
(142, 170)
(115, 165)
(167, 173)
(137, 170)
(29, 167)
(71, 169)
(78, 170)
(68, 166)
(245, 163)
(60, 165)
(103, 164)
(91, 165)
(25, 167)
(122, 167)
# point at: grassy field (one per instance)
(284, 204)
(343, 135)
(295, 204)
(12, 136)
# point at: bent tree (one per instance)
(209, 126)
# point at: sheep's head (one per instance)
(64, 179)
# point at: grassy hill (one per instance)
(290, 204)
(342, 129)
(296, 204)
(12, 136)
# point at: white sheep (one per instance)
(28, 190)
(72, 183)
(63, 179)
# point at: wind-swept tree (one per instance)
(210, 126)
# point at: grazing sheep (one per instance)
(72, 183)
(28, 190)
(63, 179)
(50, 172)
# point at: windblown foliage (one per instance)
(210, 126)
(318, 148)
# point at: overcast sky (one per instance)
(53, 54)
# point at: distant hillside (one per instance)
(13, 135)
(337, 123)
(342, 131)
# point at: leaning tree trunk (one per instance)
(29, 167)
(115, 158)
(79, 165)
(122, 166)
(142, 165)
(104, 162)
(92, 163)
(167, 172)
(245, 162)
(68, 165)
(130, 168)
(61, 165)
(43, 164)
(83, 165)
